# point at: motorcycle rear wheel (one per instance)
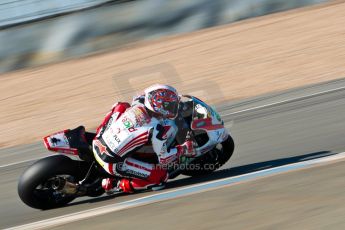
(33, 186)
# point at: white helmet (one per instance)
(162, 99)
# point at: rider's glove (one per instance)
(186, 149)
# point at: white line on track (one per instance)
(285, 101)
(19, 162)
(180, 192)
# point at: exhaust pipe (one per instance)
(64, 186)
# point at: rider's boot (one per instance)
(110, 185)
(155, 181)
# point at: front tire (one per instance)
(212, 160)
(31, 187)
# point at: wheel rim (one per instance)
(45, 190)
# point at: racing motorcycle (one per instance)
(56, 180)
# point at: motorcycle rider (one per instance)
(157, 108)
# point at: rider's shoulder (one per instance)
(138, 114)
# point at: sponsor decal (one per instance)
(141, 116)
(112, 138)
(109, 123)
(102, 149)
(59, 140)
(201, 124)
(135, 173)
(117, 139)
(55, 141)
(128, 124)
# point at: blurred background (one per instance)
(35, 32)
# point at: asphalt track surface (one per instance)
(269, 131)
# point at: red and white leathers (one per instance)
(126, 128)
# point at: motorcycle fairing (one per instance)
(128, 132)
(58, 142)
(205, 124)
(205, 118)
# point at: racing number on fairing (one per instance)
(162, 132)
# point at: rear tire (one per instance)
(212, 162)
(33, 178)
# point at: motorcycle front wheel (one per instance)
(212, 160)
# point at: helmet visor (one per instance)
(171, 108)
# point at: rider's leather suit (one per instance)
(112, 145)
